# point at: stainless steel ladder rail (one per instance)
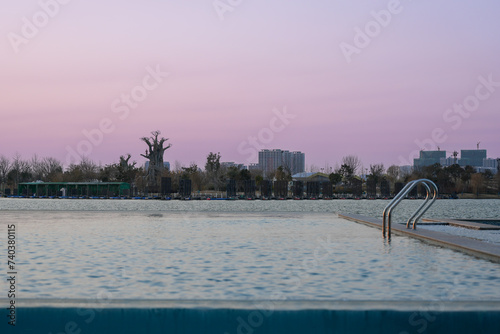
(427, 190)
(400, 196)
(419, 212)
(425, 206)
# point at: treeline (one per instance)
(47, 169)
(214, 176)
(453, 179)
(458, 179)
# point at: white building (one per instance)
(270, 160)
(490, 163)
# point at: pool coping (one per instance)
(466, 245)
(462, 223)
(284, 305)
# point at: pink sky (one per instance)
(227, 76)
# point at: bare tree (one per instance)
(314, 169)
(4, 171)
(215, 172)
(89, 169)
(51, 167)
(85, 171)
(478, 184)
(45, 169)
(20, 170)
(154, 154)
(124, 161)
(353, 162)
(394, 173)
(36, 165)
(177, 166)
(126, 170)
(376, 172)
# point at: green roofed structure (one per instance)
(61, 189)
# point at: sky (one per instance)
(376, 79)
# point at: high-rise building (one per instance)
(298, 162)
(429, 158)
(472, 158)
(490, 163)
(270, 160)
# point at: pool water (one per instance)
(234, 256)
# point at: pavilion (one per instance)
(74, 188)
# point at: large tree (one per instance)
(376, 172)
(86, 171)
(20, 171)
(154, 154)
(126, 170)
(282, 174)
(214, 171)
(335, 178)
(46, 169)
(353, 162)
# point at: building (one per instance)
(298, 162)
(472, 158)
(309, 177)
(253, 167)
(65, 189)
(445, 162)
(270, 160)
(490, 163)
(429, 158)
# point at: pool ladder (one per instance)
(429, 186)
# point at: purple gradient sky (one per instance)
(226, 77)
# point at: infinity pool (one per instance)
(234, 256)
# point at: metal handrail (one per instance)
(400, 196)
(427, 190)
(412, 185)
(423, 210)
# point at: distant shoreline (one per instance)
(213, 198)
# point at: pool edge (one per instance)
(469, 246)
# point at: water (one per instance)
(237, 250)
(466, 209)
